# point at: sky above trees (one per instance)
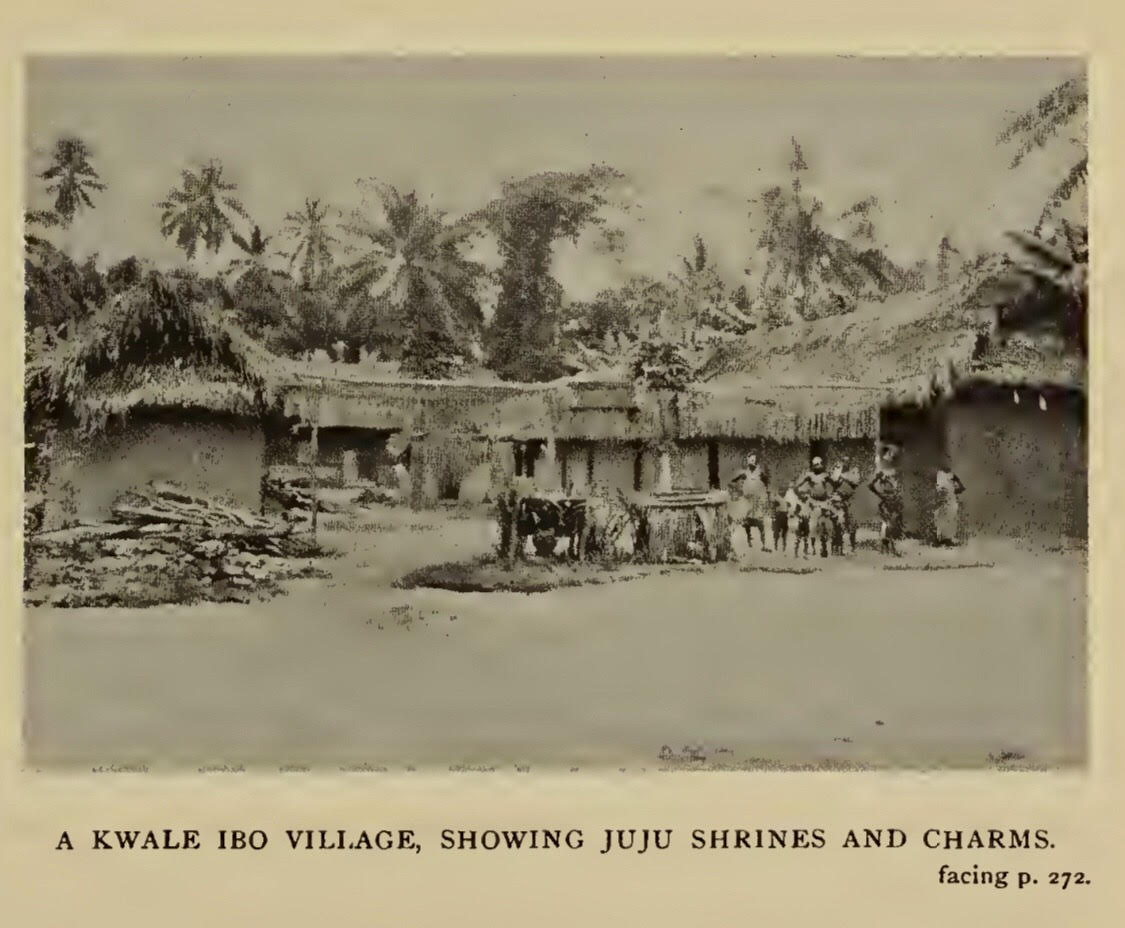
(697, 140)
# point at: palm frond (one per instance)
(1035, 127)
(1041, 250)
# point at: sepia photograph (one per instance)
(390, 413)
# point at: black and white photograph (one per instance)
(405, 413)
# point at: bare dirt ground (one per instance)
(973, 657)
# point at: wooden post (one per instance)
(314, 448)
(548, 472)
(664, 468)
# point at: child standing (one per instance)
(800, 513)
(779, 519)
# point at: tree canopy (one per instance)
(528, 218)
(397, 279)
(810, 271)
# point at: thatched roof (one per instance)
(826, 379)
(1025, 364)
(501, 410)
(781, 413)
(879, 343)
(162, 342)
(913, 348)
(612, 410)
(211, 389)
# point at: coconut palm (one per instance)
(311, 242)
(71, 178)
(410, 257)
(197, 209)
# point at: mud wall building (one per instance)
(1019, 449)
(463, 439)
(205, 436)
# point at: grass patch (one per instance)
(489, 575)
(779, 570)
(481, 575)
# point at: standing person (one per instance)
(947, 506)
(814, 487)
(845, 481)
(779, 519)
(799, 517)
(403, 483)
(885, 485)
(752, 484)
(839, 513)
(815, 482)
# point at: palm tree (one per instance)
(254, 249)
(71, 178)
(196, 210)
(412, 259)
(311, 242)
(1062, 109)
(1047, 291)
(261, 296)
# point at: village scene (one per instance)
(333, 472)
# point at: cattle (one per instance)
(598, 527)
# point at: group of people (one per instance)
(817, 506)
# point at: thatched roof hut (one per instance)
(162, 343)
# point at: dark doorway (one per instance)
(818, 448)
(526, 453)
(366, 447)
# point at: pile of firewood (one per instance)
(167, 546)
(162, 504)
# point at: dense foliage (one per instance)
(396, 281)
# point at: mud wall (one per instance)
(219, 457)
(1023, 464)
